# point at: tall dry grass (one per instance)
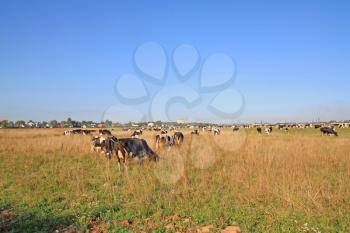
(263, 183)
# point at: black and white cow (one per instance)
(216, 131)
(136, 133)
(78, 132)
(138, 148)
(98, 144)
(164, 140)
(328, 131)
(67, 132)
(195, 132)
(268, 130)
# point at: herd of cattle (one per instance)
(135, 147)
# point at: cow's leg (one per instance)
(121, 155)
(124, 163)
(118, 164)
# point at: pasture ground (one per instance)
(286, 182)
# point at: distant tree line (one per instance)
(69, 123)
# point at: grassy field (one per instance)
(286, 182)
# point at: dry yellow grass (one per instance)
(263, 183)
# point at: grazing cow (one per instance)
(81, 131)
(67, 132)
(114, 147)
(76, 131)
(195, 132)
(98, 144)
(105, 132)
(216, 131)
(283, 127)
(87, 132)
(136, 133)
(328, 131)
(164, 139)
(70, 132)
(259, 130)
(268, 130)
(235, 128)
(178, 138)
(138, 148)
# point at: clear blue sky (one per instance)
(60, 59)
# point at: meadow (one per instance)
(296, 181)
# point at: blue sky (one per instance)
(61, 59)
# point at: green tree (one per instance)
(44, 124)
(3, 123)
(108, 124)
(53, 123)
(63, 124)
(69, 122)
(20, 123)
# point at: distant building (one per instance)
(180, 121)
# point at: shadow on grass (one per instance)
(33, 221)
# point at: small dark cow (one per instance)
(328, 131)
(178, 138)
(259, 130)
(138, 148)
(114, 147)
(195, 132)
(235, 129)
